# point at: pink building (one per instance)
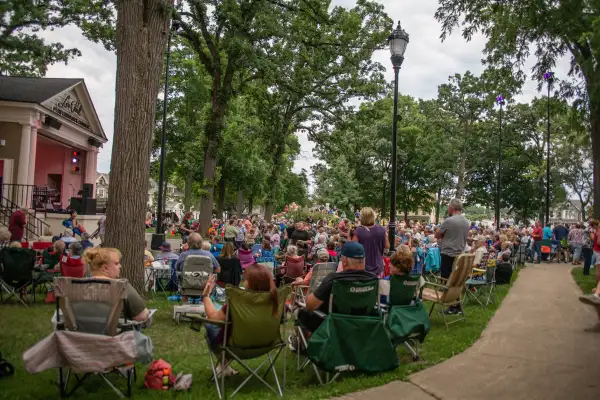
(50, 135)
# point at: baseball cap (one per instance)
(353, 250)
(165, 246)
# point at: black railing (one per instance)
(13, 197)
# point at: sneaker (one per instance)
(591, 299)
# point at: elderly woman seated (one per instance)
(105, 263)
(72, 265)
(68, 236)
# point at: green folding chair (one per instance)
(481, 289)
(252, 331)
(353, 336)
(406, 318)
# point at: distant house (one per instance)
(569, 212)
(173, 202)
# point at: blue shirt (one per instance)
(195, 252)
(547, 233)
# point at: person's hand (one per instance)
(210, 285)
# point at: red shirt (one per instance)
(72, 267)
(16, 226)
(596, 245)
(537, 233)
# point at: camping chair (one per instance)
(255, 332)
(449, 291)
(352, 336)
(92, 307)
(292, 269)
(483, 285)
(433, 260)
(406, 318)
(319, 272)
(16, 272)
(194, 275)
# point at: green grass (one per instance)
(187, 352)
(586, 283)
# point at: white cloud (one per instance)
(428, 63)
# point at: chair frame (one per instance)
(128, 372)
(16, 290)
(225, 350)
(476, 290)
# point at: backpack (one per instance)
(159, 376)
(6, 368)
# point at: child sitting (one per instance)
(216, 247)
(504, 270)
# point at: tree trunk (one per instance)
(460, 186)
(250, 205)
(187, 195)
(595, 133)
(141, 36)
(268, 210)
(221, 203)
(239, 205)
(437, 206)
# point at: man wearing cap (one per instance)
(166, 253)
(353, 269)
(194, 242)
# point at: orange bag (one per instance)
(546, 249)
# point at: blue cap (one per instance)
(353, 250)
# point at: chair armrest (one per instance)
(204, 320)
(436, 285)
(478, 270)
(301, 303)
(320, 314)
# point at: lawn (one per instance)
(187, 352)
(586, 283)
(167, 236)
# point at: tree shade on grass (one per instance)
(187, 352)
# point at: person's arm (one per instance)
(179, 262)
(440, 232)
(312, 303)
(135, 305)
(209, 308)
(386, 243)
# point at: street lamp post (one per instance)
(159, 237)
(549, 78)
(397, 41)
(383, 197)
(500, 101)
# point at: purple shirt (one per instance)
(373, 240)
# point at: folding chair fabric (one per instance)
(354, 297)
(194, 274)
(403, 289)
(352, 342)
(91, 305)
(319, 272)
(406, 322)
(16, 270)
(252, 312)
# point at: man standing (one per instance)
(453, 232)
(16, 224)
(537, 240)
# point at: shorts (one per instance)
(597, 257)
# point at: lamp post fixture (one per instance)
(500, 101)
(549, 78)
(159, 236)
(397, 41)
(383, 197)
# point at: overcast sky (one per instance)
(428, 63)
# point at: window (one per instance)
(101, 193)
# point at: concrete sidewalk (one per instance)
(533, 348)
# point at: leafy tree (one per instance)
(554, 29)
(24, 52)
(337, 184)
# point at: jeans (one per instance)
(212, 334)
(576, 251)
(587, 260)
(538, 250)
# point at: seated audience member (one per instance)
(194, 242)
(504, 249)
(244, 254)
(353, 269)
(205, 245)
(402, 261)
(480, 252)
(333, 255)
(52, 255)
(16, 245)
(86, 243)
(216, 247)
(68, 237)
(256, 278)
(166, 254)
(72, 264)
(504, 270)
(105, 263)
(4, 238)
(228, 263)
(322, 258)
(148, 257)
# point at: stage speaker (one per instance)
(83, 206)
(52, 122)
(88, 190)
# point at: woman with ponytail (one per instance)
(105, 263)
(257, 278)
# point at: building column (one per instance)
(32, 156)
(23, 167)
(90, 170)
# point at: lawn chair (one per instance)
(353, 336)
(16, 273)
(406, 318)
(482, 286)
(194, 275)
(319, 272)
(448, 292)
(255, 332)
(89, 339)
(292, 269)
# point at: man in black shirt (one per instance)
(299, 233)
(353, 264)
